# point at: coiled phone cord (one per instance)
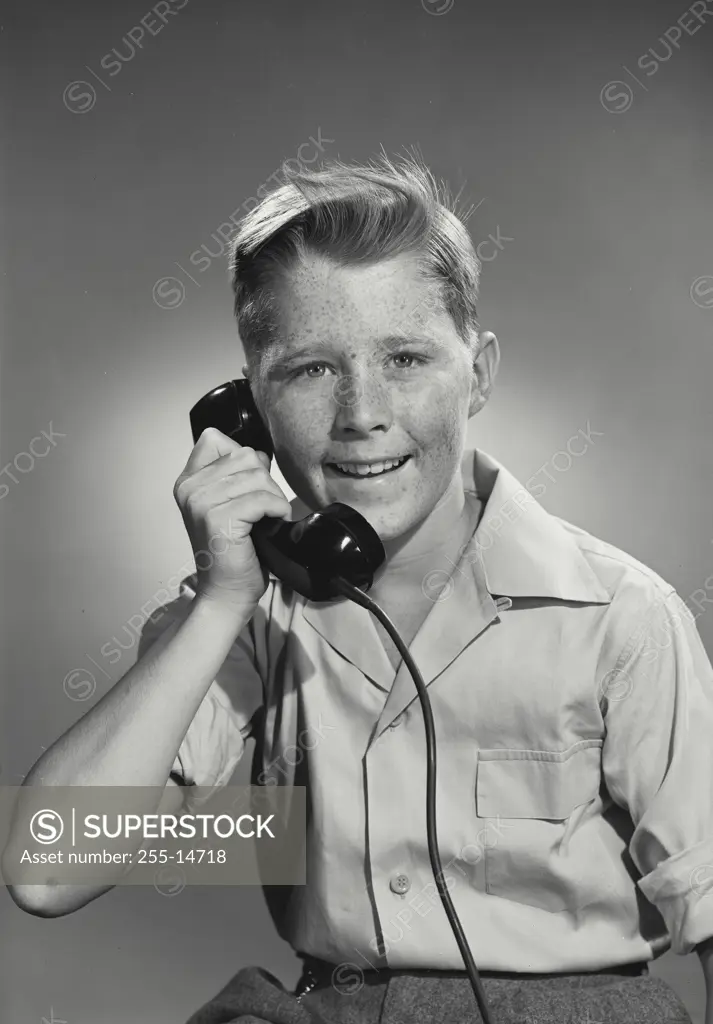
(359, 597)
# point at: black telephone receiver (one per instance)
(312, 553)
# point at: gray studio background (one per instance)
(602, 297)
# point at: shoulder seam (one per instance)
(584, 543)
(664, 587)
(635, 635)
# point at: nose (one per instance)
(362, 401)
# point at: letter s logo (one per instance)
(46, 826)
(616, 101)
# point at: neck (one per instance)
(434, 543)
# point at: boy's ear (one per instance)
(485, 368)
(244, 370)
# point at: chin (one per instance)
(389, 528)
(389, 520)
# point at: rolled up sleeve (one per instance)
(657, 762)
(215, 739)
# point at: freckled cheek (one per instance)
(297, 424)
(436, 420)
(301, 441)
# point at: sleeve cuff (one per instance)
(210, 750)
(681, 888)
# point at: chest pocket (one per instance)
(528, 800)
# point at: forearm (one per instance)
(131, 736)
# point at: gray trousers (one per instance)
(254, 996)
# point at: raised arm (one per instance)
(132, 736)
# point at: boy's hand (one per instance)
(223, 491)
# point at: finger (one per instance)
(245, 460)
(214, 491)
(249, 508)
(211, 445)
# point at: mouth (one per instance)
(357, 471)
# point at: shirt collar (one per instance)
(524, 551)
(516, 550)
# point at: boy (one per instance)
(572, 697)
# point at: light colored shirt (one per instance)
(573, 707)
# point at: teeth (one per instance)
(356, 469)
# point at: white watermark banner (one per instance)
(120, 835)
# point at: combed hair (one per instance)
(354, 214)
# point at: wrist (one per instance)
(232, 610)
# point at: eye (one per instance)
(301, 371)
(409, 355)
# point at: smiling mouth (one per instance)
(365, 472)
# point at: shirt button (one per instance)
(400, 884)
(397, 721)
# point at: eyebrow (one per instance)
(284, 355)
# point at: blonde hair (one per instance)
(353, 214)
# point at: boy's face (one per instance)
(368, 366)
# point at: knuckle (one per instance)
(209, 434)
(260, 479)
(235, 485)
(180, 489)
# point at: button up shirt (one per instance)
(573, 707)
